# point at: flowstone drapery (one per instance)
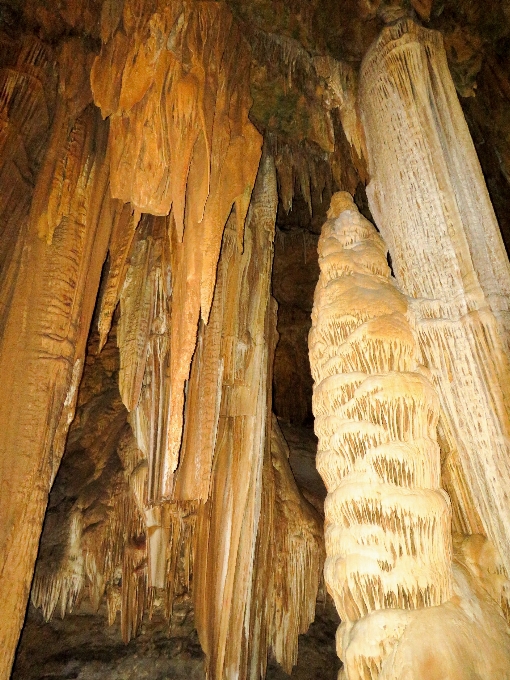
(47, 303)
(429, 199)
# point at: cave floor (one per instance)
(83, 647)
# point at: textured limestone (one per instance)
(429, 199)
(172, 79)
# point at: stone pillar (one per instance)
(430, 202)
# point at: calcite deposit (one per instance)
(436, 216)
(388, 522)
(166, 168)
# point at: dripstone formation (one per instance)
(169, 170)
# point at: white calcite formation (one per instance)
(409, 612)
(388, 536)
(429, 199)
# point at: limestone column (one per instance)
(430, 202)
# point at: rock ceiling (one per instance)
(166, 170)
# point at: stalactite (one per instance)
(342, 83)
(242, 609)
(197, 156)
(429, 198)
(45, 327)
(78, 548)
(27, 99)
(123, 233)
(302, 169)
(228, 521)
(284, 54)
(387, 521)
(102, 538)
(256, 583)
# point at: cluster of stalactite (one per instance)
(428, 196)
(179, 140)
(233, 499)
(161, 190)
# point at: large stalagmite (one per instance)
(388, 522)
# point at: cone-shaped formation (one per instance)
(388, 526)
(289, 558)
(429, 199)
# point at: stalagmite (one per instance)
(429, 199)
(296, 544)
(61, 251)
(172, 78)
(388, 536)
